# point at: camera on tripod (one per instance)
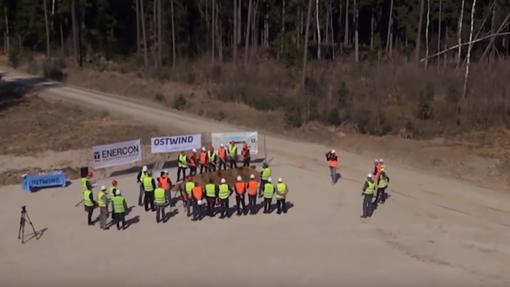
(23, 219)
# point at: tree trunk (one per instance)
(7, 36)
(503, 25)
(356, 32)
(144, 36)
(459, 34)
(282, 30)
(390, 25)
(418, 35)
(239, 22)
(160, 35)
(439, 31)
(305, 54)
(266, 24)
(48, 51)
(62, 48)
(346, 26)
(470, 46)
(427, 36)
(254, 26)
(372, 24)
(76, 47)
(138, 37)
(219, 32)
(173, 32)
(332, 30)
(154, 30)
(213, 30)
(318, 30)
(493, 27)
(234, 32)
(247, 39)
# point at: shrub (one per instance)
(14, 57)
(159, 98)
(425, 102)
(180, 102)
(53, 70)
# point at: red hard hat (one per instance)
(90, 174)
(114, 182)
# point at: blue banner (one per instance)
(57, 178)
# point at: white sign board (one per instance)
(176, 143)
(117, 154)
(251, 138)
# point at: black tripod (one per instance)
(24, 218)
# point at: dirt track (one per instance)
(431, 231)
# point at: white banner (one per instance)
(176, 143)
(117, 153)
(251, 138)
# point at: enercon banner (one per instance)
(117, 153)
(175, 143)
(251, 138)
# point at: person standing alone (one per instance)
(332, 159)
(281, 194)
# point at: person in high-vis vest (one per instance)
(188, 188)
(280, 196)
(192, 162)
(85, 181)
(253, 189)
(232, 154)
(240, 190)
(89, 204)
(119, 210)
(203, 160)
(212, 156)
(222, 157)
(160, 202)
(381, 188)
(368, 194)
(224, 193)
(166, 184)
(264, 175)
(245, 153)
(268, 195)
(149, 185)
(197, 200)
(102, 203)
(210, 195)
(182, 165)
(332, 159)
(111, 194)
(139, 179)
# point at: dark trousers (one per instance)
(120, 218)
(89, 210)
(224, 207)
(211, 201)
(192, 170)
(246, 162)
(282, 206)
(252, 203)
(141, 195)
(233, 163)
(103, 217)
(212, 166)
(149, 200)
(367, 205)
(197, 210)
(267, 205)
(179, 171)
(204, 167)
(241, 204)
(222, 164)
(381, 195)
(160, 213)
(261, 187)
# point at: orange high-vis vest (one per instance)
(164, 182)
(252, 187)
(240, 187)
(192, 159)
(203, 157)
(197, 192)
(222, 153)
(332, 163)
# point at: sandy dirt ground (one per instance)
(432, 230)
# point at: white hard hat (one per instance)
(252, 176)
(166, 171)
(203, 148)
(269, 179)
(117, 192)
(280, 179)
(381, 160)
(333, 151)
(239, 178)
(223, 180)
(144, 168)
(376, 160)
(194, 150)
(221, 145)
(103, 188)
(369, 175)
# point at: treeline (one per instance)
(161, 34)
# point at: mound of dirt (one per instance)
(229, 175)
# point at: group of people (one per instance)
(211, 160)
(200, 200)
